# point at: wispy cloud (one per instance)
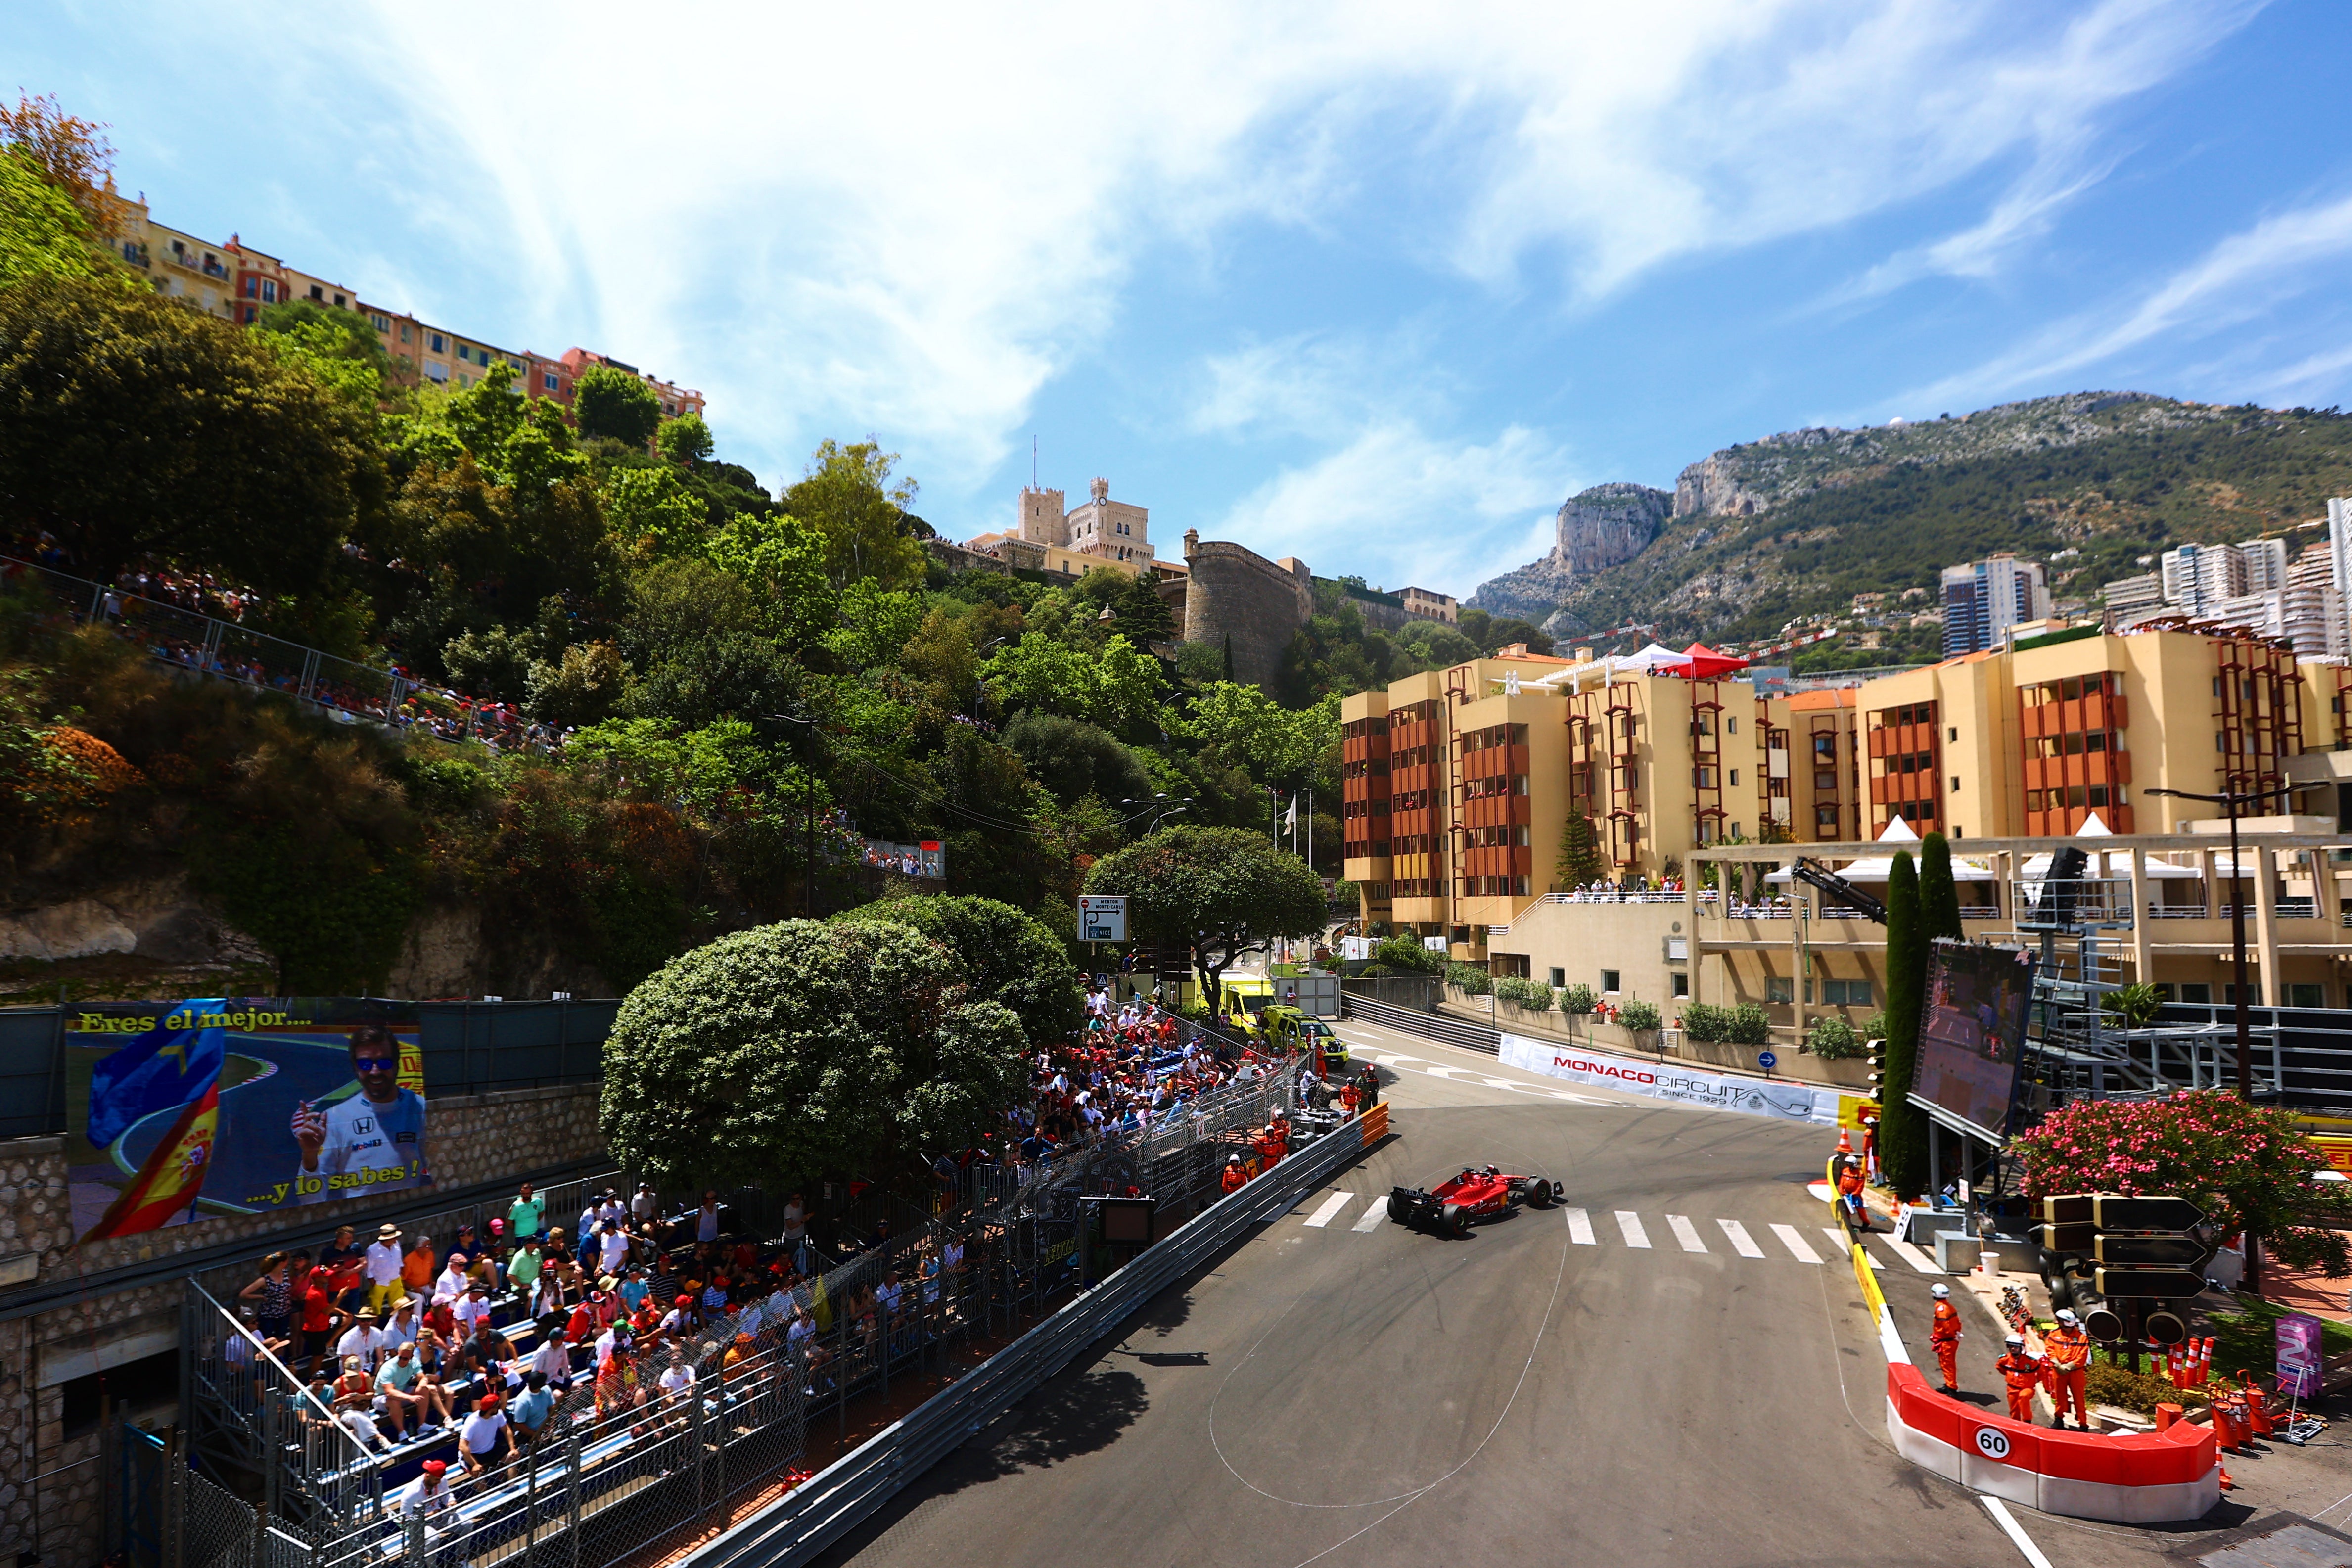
(2233, 282)
(1397, 504)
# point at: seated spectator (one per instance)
(527, 1415)
(432, 1367)
(405, 1406)
(484, 1441)
(473, 1308)
(523, 1268)
(451, 1284)
(419, 1266)
(362, 1341)
(553, 1359)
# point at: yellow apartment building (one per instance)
(1701, 792)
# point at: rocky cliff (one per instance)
(1598, 529)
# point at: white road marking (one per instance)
(1795, 1243)
(1579, 1229)
(1444, 1072)
(1839, 1244)
(1501, 1083)
(2016, 1532)
(1686, 1232)
(1330, 1210)
(1374, 1214)
(1910, 1254)
(1630, 1224)
(1740, 1243)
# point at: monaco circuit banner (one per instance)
(1673, 1081)
(179, 1112)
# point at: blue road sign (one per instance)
(1767, 1060)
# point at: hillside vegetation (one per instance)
(1813, 517)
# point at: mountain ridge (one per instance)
(1795, 523)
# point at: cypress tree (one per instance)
(1939, 895)
(1902, 1128)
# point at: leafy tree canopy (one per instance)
(775, 1055)
(611, 402)
(1218, 891)
(685, 441)
(850, 497)
(1004, 954)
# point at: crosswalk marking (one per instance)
(1579, 1229)
(1839, 1244)
(1630, 1224)
(1740, 1244)
(1910, 1254)
(1374, 1214)
(1330, 1210)
(1686, 1232)
(1795, 1243)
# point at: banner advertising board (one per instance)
(1972, 1032)
(2298, 1356)
(923, 859)
(1667, 1080)
(177, 1111)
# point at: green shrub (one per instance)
(1703, 1021)
(1510, 988)
(1472, 980)
(2128, 1390)
(1833, 1040)
(1641, 1017)
(1537, 996)
(1749, 1025)
(1577, 999)
(1405, 955)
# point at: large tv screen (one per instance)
(1972, 1032)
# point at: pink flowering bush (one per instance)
(2246, 1166)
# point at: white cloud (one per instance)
(910, 222)
(2233, 282)
(1398, 507)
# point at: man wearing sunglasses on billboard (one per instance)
(372, 1141)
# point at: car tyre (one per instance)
(1399, 1210)
(1537, 1194)
(1452, 1221)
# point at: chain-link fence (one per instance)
(647, 1451)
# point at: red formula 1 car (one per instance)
(1470, 1198)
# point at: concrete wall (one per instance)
(1234, 593)
(474, 1138)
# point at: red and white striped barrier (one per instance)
(2139, 1479)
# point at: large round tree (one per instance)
(781, 1053)
(1002, 952)
(1218, 893)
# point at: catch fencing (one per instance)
(628, 1471)
(1429, 1026)
(815, 1515)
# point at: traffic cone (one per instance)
(2258, 1415)
(1845, 1142)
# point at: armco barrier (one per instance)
(1428, 1026)
(817, 1512)
(2135, 1479)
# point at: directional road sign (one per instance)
(1102, 917)
(1767, 1060)
(2161, 1283)
(2113, 1213)
(2153, 1251)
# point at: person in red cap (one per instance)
(428, 1497)
(485, 1442)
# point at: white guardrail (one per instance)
(818, 1511)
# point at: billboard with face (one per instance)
(1972, 1032)
(181, 1110)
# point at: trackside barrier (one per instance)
(2131, 1479)
(805, 1521)
(1428, 1026)
(2137, 1479)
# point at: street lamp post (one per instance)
(2229, 801)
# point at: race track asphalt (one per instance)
(1332, 1394)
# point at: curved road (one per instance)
(1676, 1368)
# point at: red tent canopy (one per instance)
(1706, 663)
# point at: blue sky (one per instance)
(1374, 285)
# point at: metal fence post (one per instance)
(694, 1420)
(176, 1500)
(572, 1481)
(530, 1503)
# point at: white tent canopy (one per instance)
(2118, 866)
(1650, 660)
(1879, 867)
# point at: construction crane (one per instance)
(1814, 874)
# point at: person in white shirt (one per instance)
(646, 1207)
(676, 1380)
(428, 1497)
(485, 1439)
(360, 1425)
(383, 1267)
(452, 1282)
(706, 1218)
(471, 1307)
(400, 1329)
(613, 1248)
(363, 1339)
(553, 1357)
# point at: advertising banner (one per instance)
(923, 859)
(2298, 1354)
(181, 1110)
(1673, 1081)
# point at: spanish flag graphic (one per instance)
(172, 1177)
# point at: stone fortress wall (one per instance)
(1233, 593)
